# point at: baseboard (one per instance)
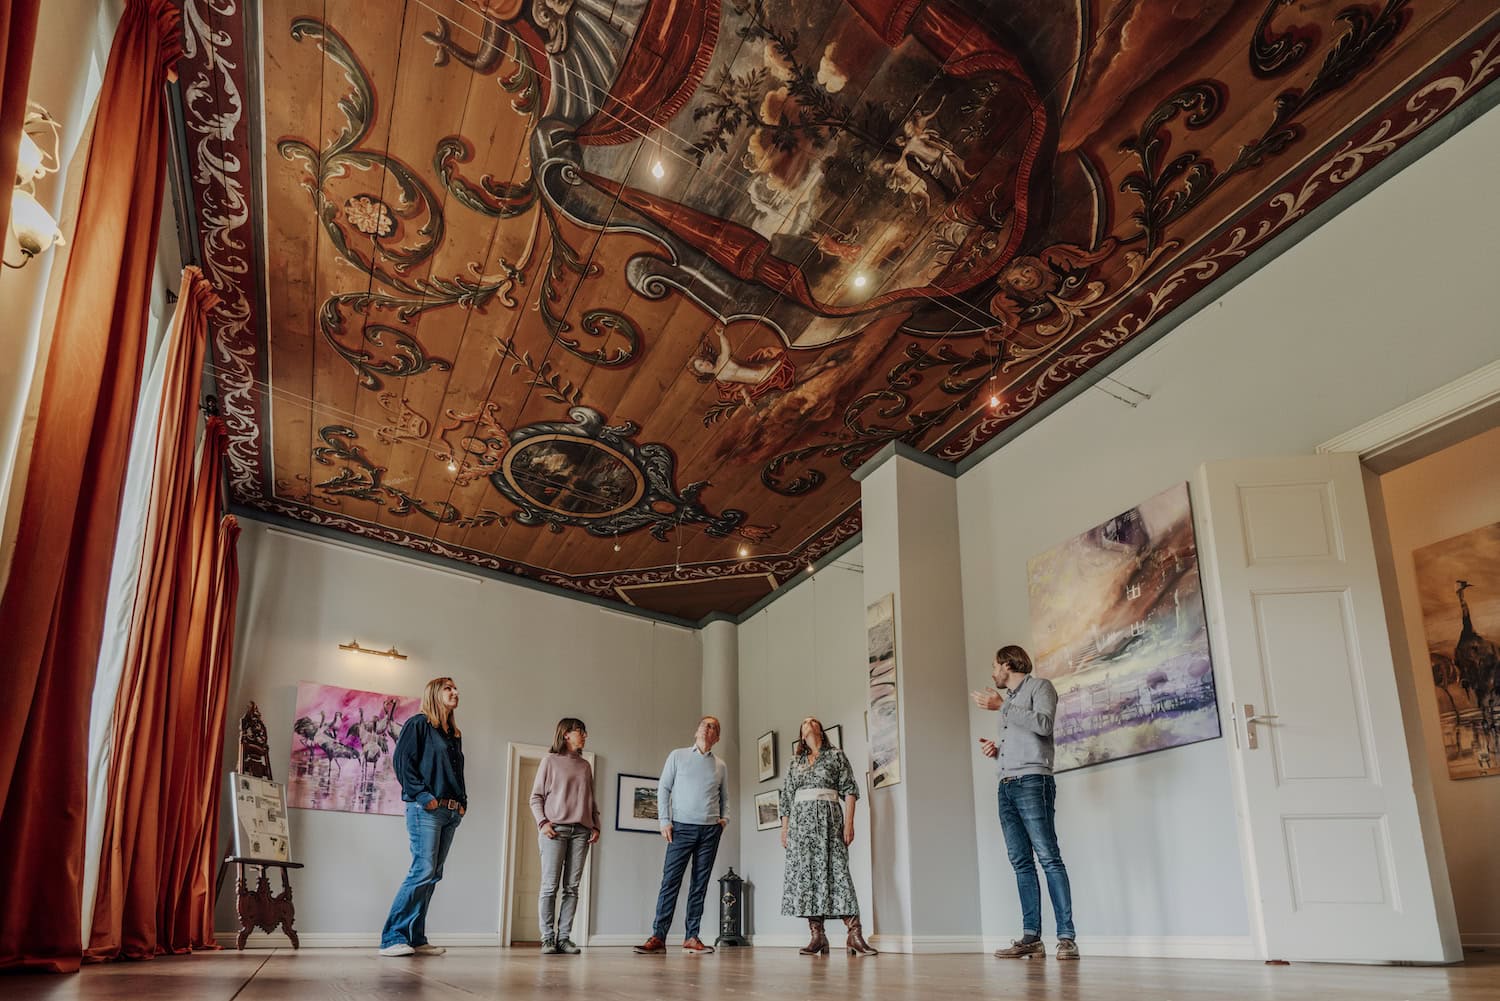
(346, 940)
(1157, 946)
(609, 941)
(1481, 940)
(922, 945)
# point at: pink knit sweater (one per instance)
(564, 792)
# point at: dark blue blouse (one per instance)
(429, 763)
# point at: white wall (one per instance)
(522, 659)
(1387, 301)
(802, 655)
(1446, 494)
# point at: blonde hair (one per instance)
(434, 712)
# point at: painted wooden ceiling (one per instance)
(615, 294)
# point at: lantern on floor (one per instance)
(731, 910)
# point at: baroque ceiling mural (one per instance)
(614, 295)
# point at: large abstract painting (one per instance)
(1117, 624)
(1458, 580)
(341, 749)
(884, 711)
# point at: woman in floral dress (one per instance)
(817, 827)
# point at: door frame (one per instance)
(511, 843)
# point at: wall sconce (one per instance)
(392, 653)
(32, 229)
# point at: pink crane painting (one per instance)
(342, 741)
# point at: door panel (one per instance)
(1335, 859)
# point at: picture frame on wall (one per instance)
(765, 754)
(768, 810)
(635, 803)
(834, 735)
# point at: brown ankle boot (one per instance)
(856, 939)
(819, 941)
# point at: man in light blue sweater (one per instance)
(692, 803)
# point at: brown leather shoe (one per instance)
(819, 941)
(1022, 950)
(652, 944)
(855, 941)
(695, 945)
(1067, 949)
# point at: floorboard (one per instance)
(615, 974)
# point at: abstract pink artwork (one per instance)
(341, 749)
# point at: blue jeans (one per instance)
(1027, 805)
(698, 843)
(431, 834)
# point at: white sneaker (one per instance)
(399, 949)
(430, 950)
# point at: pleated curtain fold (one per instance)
(51, 614)
(17, 40)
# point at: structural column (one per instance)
(721, 698)
(922, 829)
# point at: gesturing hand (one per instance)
(549, 830)
(988, 699)
(988, 747)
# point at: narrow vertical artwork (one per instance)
(342, 743)
(1117, 625)
(884, 717)
(1458, 581)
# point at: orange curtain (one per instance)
(51, 615)
(147, 789)
(195, 904)
(17, 36)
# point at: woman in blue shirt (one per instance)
(429, 761)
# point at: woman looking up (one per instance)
(429, 761)
(816, 831)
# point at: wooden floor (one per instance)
(773, 974)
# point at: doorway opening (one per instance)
(521, 864)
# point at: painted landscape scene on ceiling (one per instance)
(615, 296)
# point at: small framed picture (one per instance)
(635, 804)
(766, 748)
(767, 809)
(260, 824)
(835, 735)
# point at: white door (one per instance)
(1336, 864)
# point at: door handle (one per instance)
(1252, 718)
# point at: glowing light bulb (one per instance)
(452, 467)
(994, 401)
(859, 281)
(744, 551)
(658, 171)
(809, 568)
(617, 547)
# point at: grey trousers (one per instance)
(562, 867)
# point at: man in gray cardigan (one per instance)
(1027, 794)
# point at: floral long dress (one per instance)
(817, 882)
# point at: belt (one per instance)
(451, 804)
(811, 795)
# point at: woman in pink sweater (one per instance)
(567, 818)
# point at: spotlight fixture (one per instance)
(658, 171)
(859, 281)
